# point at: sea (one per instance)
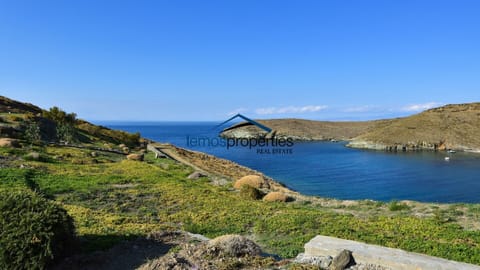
(330, 169)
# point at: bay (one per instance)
(332, 170)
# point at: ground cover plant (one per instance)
(117, 199)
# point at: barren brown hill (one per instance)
(300, 129)
(454, 126)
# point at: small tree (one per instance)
(59, 116)
(65, 123)
(32, 132)
(65, 132)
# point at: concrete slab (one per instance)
(387, 257)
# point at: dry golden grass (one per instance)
(275, 197)
(450, 126)
(255, 181)
(234, 245)
(309, 129)
(137, 157)
(7, 142)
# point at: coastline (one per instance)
(360, 208)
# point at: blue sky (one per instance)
(203, 60)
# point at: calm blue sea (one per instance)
(332, 170)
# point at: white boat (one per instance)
(447, 158)
(451, 151)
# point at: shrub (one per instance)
(32, 132)
(249, 192)
(33, 231)
(275, 197)
(255, 181)
(397, 206)
(233, 245)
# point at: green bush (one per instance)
(33, 231)
(249, 192)
(397, 206)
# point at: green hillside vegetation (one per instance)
(120, 199)
(112, 199)
(36, 126)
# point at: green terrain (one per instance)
(112, 198)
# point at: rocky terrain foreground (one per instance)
(454, 127)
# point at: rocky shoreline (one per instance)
(410, 147)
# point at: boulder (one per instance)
(442, 146)
(33, 156)
(255, 181)
(322, 261)
(275, 197)
(342, 260)
(196, 175)
(136, 157)
(9, 142)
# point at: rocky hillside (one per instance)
(448, 127)
(307, 130)
(32, 125)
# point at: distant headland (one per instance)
(450, 127)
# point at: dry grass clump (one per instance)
(233, 245)
(255, 181)
(248, 192)
(8, 142)
(275, 197)
(137, 157)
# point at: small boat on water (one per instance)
(451, 151)
(447, 158)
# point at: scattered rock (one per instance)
(233, 245)
(275, 197)
(255, 181)
(367, 266)
(9, 142)
(136, 157)
(342, 260)
(170, 262)
(322, 261)
(196, 175)
(126, 149)
(93, 154)
(33, 156)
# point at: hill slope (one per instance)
(300, 129)
(17, 118)
(448, 127)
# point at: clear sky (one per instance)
(203, 60)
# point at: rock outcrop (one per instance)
(136, 157)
